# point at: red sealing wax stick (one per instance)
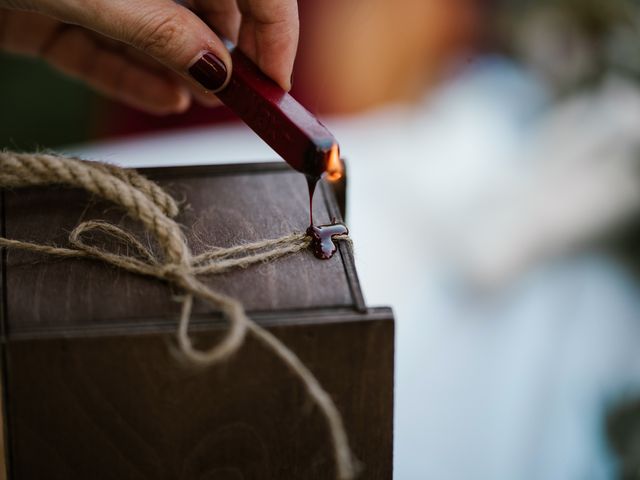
(287, 127)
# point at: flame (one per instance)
(335, 168)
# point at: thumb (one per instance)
(162, 29)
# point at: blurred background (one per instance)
(497, 143)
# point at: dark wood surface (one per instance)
(123, 407)
(94, 388)
(222, 208)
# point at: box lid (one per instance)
(222, 205)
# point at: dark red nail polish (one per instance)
(209, 71)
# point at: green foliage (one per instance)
(41, 108)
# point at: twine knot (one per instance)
(172, 271)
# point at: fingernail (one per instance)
(209, 71)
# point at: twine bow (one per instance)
(149, 204)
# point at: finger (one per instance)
(201, 96)
(269, 36)
(162, 29)
(136, 56)
(223, 15)
(76, 53)
(204, 98)
(24, 32)
(143, 60)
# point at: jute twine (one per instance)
(149, 204)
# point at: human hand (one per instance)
(155, 55)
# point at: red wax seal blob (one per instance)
(322, 243)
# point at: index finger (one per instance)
(269, 36)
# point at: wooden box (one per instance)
(93, 388)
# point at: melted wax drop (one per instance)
(322, 239)
(322, 235)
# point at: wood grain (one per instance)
(123, 407)
(221, 209)
(93, 386)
